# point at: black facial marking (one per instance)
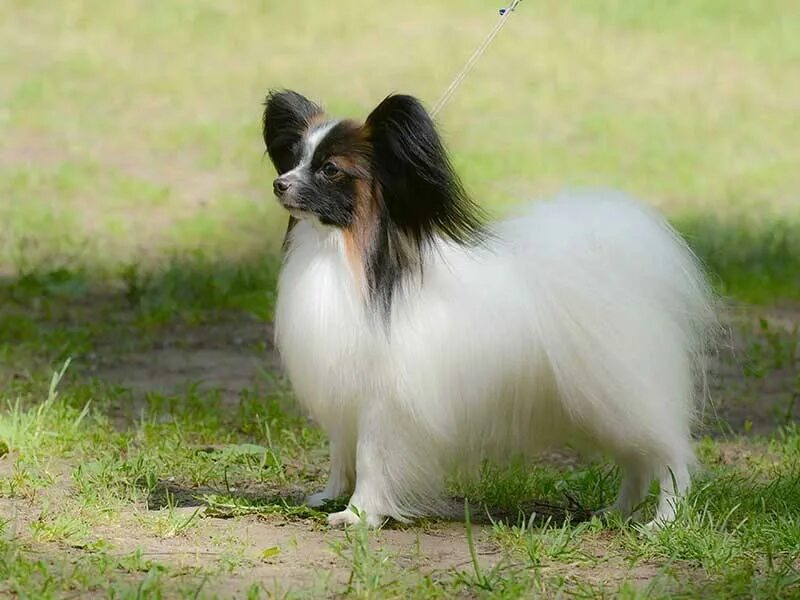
(287, 116)
(345, 139)
(330, 194)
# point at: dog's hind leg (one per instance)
(674, 480)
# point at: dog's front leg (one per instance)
(374, 489)
(342, 475)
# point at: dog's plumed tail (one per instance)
(624, 315)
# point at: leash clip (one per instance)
(511, 8)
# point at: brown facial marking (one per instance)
(353, 256)
(347, 147)
(353, 164)
(359, 237)
(344, 141)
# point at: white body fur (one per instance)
(582, 321)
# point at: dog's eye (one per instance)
(329, 169)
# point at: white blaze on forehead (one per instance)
(310, 143)
(312, 140)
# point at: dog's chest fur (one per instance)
(454, 359)
(321, 324)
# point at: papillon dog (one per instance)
(425, 340)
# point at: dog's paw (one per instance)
(343, 518)
(351, 517)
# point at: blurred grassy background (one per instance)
(130, 146)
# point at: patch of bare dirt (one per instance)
(607, 567)
(751, 390)
(274, 552)
(192, 186)
(33, 151)
(189, 189)
(227, 358)
(754, 381)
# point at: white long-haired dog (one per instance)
(425, 341)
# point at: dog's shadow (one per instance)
(234, 503)
(228, 503)
(531, 512)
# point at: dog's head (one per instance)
(387, 183)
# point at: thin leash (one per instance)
(505, 14)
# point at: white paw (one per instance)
(317, 500)
(343, 518)
(350, 517)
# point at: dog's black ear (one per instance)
(287, 115)
(421, 190)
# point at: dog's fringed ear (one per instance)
(420, 189)
(287, 115)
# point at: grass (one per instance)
(189, 463)
(113, 160)
(138, 234)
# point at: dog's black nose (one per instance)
(280, 186)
